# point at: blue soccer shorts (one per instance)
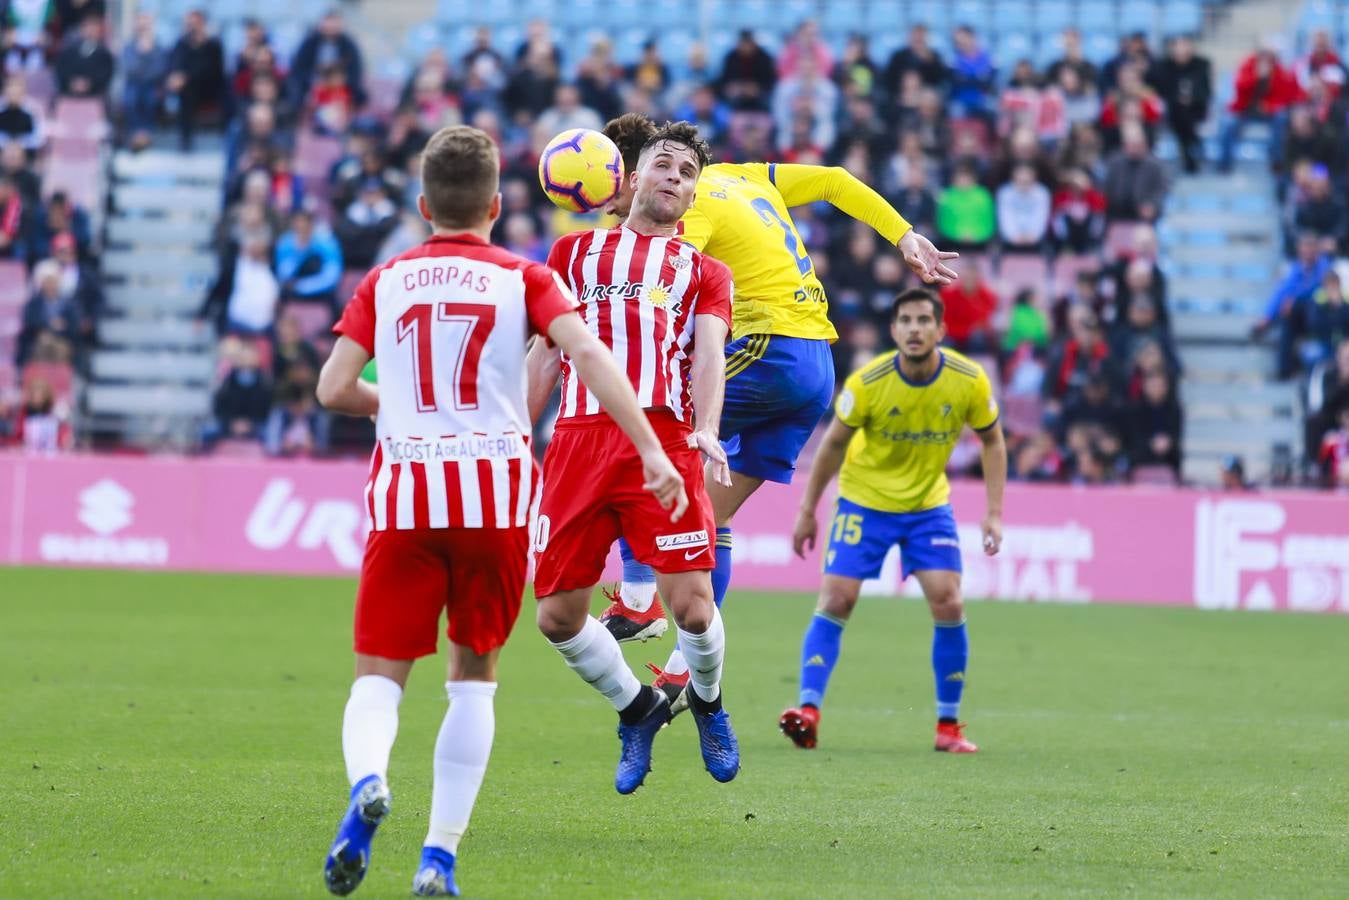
(777, 390)
(859, 539)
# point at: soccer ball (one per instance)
(581, 170)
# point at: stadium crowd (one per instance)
(1044, 179)
(55, 57)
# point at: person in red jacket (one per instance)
(1265, 88)
(970, 304)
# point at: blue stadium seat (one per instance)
(1098, 48)
(1052, 16)
(1183, 17)
(1050, 49)
(794, 12)
(675, 44)
(881, 16)
(1012, 15)
(422, 39)
(625, 13)
(628, 45)
(508, 38)
(932, 13)
(1096, 15)
(884, 44)
(973, 13)
(1012, 47)
(754, 14)
(1140, 15)
(454, 12)
(537, 9)
(670, 14)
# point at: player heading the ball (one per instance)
(664, 310)
(450, 484)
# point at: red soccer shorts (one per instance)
(408, 578)
(592, 495)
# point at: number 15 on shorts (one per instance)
(848, 528)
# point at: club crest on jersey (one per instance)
(945, 410)
(679, 263)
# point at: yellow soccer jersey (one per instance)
(740, 216)
(896, 460)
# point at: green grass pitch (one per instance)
(178, 735)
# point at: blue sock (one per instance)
(721, 575)
(634, 572)
(950, 653)
(819, 652)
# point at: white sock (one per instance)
(594, 655)
(369, 726)
(462, 749)
(676, 664)
(705, 653)
(637, 596)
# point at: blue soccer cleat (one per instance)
(350, 853)
(435, 875)
(721, 750)
(635, 760)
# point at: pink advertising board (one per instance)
(1260, 551)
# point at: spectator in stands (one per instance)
(296, 425)
(253, 66)
(293, 357)
(805, 43)
(1322, 60)
(598, 78)
(1322, 212)
(1141, 324)
(748, 75)
(51, 310)
(254, 57)
(145, 65)
(915, 200)
(244, 297)
(85, 65)
(856, 73)
(1333, 454)
(250, 145)
(370, 167)
(972, 75)
(539, 42)
(1133, 53)
(483, 64)
(1184, 80)
(1131, 100)
(1075, 357)
(308, 261)
(1264, 90)
(650, 73)
(1095, 415)
(566, 112)
(196, 74)
(1135, 181)
(26, 27)
(1327, 395)
(16, 229)
(18, 168)
(1308, 141)
(1027, 326)
(705, 110)
(1154, 424)
(1081, 103)
(965, 214)
(365, 223)
(1328, 317)
(327, 45)
(810, 96)
(1078, 214)
(41, 427)
(61, 216)
(534, 83)
(970, 305)
(244, 398)
(21, 119)
(79, 281)
(1287, 305)
(332, 100)
(1073, 58)
(915, 56)
(1023, 210)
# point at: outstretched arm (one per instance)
(708, 387)
(542, 365)
(828, 460)
(993, 456)
(800, 185)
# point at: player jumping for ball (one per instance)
(450, 484)
(779, 369)
(665, 310)
(896, 422)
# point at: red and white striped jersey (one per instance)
(448, 322)
(639, 295)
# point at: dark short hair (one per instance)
(630, 132)
(684, 134)
(917, 295)
(461, 171)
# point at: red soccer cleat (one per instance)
(674, 687)
(951, 738)
(801, 725)
(626, 624)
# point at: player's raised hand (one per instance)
(992, 529)
(715, 453)
(660, 477)
(803, 534)
(926, 261)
